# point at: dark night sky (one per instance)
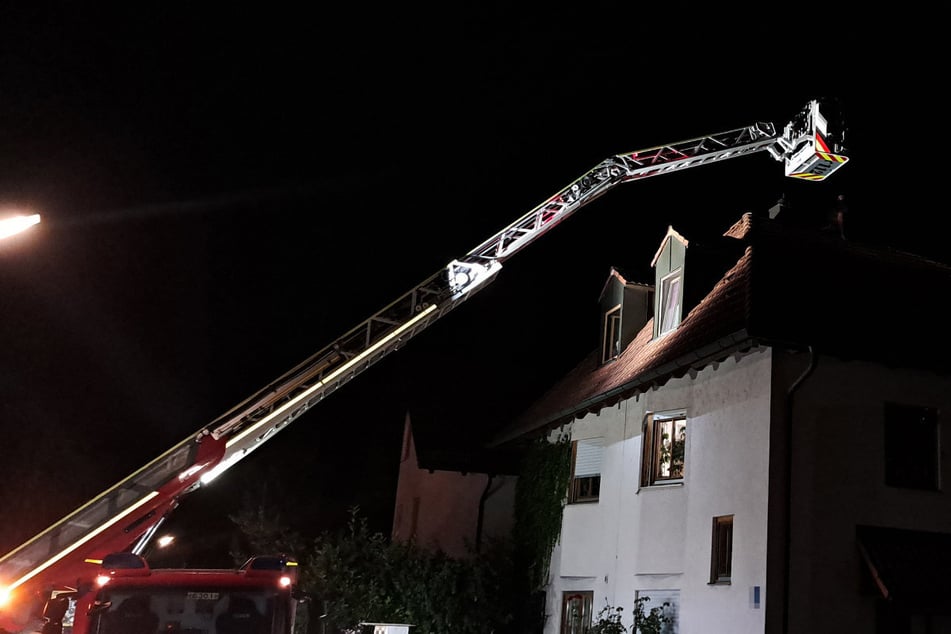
(224, 192)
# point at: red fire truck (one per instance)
(127, 597)
(60, 562)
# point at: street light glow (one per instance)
(15, 224)
(165, 540)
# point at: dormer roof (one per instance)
(671, 235)
(614, 274)
(789, 287)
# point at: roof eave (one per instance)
(739, 341)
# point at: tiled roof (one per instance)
(790, 287)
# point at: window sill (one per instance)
(720, 582)
(660, 485)
(585, 501)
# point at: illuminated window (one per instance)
(576, 612)
(585, 470)
(665, 441)
(611, 346)
(912, 449)
(670, 301)
(721, 558)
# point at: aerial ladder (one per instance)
(125, 517)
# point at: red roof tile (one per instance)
(789, 285)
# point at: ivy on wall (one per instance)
(540, 497)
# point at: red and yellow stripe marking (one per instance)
(809, 176)
(822, 151)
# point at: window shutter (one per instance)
(588, 458)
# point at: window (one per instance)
(585, 470)
(665, 439)
(721, 558)
(670, 302)
(611, 346)
(911, 447)
(576, 612)
(665, 605)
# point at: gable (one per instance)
(668, 266)
(624, 308)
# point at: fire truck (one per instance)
(127, 597)
(104, 539)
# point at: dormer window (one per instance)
(624, 308)
(668, 266)
(611, 345)
(670, 302)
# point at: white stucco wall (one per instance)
(660, 538)
(639, 540)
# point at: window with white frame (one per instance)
(670, 302)
(585, 470)
(664, 449)
(661, 610)
(611, 346)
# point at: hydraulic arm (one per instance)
(126, 516)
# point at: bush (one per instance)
(609, 621)
(650, 621)
(360, 576)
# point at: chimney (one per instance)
(776, 209)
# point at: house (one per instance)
(757, 441)
(452, 501)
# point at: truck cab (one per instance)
(129, 597)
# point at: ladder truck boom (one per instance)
(126, 516)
